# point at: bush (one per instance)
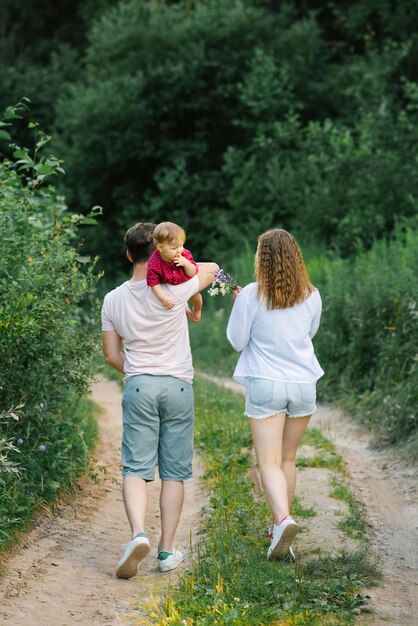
(335, 184)
(47, 340)
(166, 90)
(368, 342)
(235, 118)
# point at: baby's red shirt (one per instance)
(161, 271)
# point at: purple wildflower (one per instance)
(42, 447)
(41, 405)
(222, 283)
(19, 442)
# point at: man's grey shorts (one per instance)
(265, 398)
(157, 427)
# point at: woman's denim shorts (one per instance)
(265, 398)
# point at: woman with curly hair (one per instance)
(272, 323)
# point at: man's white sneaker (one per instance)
(169, 560)
(135, 551)
(283, 535)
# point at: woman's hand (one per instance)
(236, 292)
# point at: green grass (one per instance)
(325, 452)
(329, 461)
(353, 525)
(230, 580)
(299, 510)
(42, 476)
(315, 438)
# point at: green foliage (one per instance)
(337, 184)
(238, 117)
(47, 340)
(148, 124)
(43, 278)
(40, 52)
(368, 342)
(49, 452)
(227, 117)
(7, 466)
(39, 82)
(353, 524)
(230, 581)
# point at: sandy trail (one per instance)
(388, 488)
(63, 571)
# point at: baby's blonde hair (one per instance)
(281, 273)
(168, 231)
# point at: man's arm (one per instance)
(112, 344)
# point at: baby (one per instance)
(171, 263)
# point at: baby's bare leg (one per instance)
(197, 303)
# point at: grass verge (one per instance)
(48, 457)
(353, 525)
(229, 580)
(325, 455)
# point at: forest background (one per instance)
(228, 117)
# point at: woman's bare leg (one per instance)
(292, 434)
(267, 438)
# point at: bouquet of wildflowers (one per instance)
(222, 284)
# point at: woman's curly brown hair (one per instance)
(280, 271)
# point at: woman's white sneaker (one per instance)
(283, 535)
(290, 555)
(169, 560)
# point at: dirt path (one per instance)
(63, 573)
(389, 490)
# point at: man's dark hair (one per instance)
(138, 241)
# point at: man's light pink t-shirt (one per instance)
(155, 339)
